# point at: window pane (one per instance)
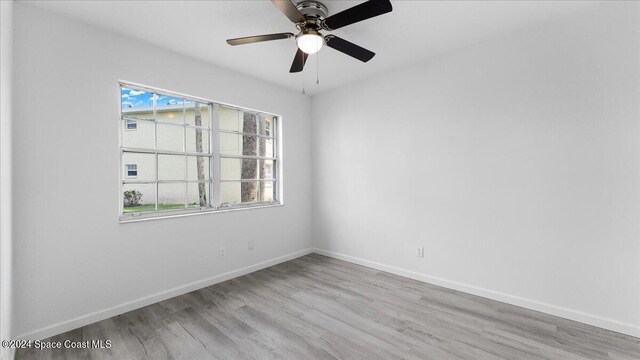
(137, 103)
(198, 195)
(246, 192)
(254, 146)
(266, 147)
(171, 196)
(145, 164)
(245, 169)
(142, 138)
(268, 172)
(191, 114)
(265, 124)
(168, 102)
(197, 140)
(238, 169)
(267, 190)
(234, 144)
(230, 144)
(170, 137)
(229, 119)
(198, 168)
(265, 168)
(230, 193)
(170, 109)
(171, 167)
(249, 123)
(139, 198)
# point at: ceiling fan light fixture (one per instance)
(310, 41)
(310, 17)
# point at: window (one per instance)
(132, 170)
(189, 155)
(132, 125)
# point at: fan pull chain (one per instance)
(302, 74)
(318, 65)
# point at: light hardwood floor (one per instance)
(315, 307)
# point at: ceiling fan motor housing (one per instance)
(312, 9)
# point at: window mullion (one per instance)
(155, 146)
(214, 164)
(184, 148)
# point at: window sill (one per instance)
(124, 219)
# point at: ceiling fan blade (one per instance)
(289, 9)
(364, 11)
(298, 61)
(349, 48)
(259, 38)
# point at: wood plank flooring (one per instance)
(316, 307)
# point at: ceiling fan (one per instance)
(310, 16)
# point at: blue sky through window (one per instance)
(134, 98)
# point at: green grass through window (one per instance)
(152, 207)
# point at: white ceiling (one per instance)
(414, 31)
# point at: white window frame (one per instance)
(214, 155)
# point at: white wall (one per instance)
(6, 75)
(515, 163)
(74, 262)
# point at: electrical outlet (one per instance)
(420, 252)
(251, 245)
(223, 252)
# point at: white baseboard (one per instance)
(100, 315)
(609, 324)
(570, 314)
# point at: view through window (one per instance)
(191, 155)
